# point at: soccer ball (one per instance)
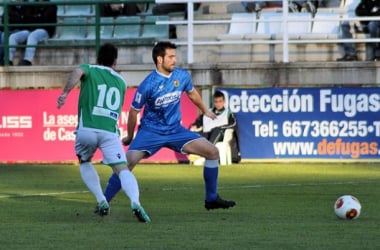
(347, 207)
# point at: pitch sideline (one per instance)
(190, 188)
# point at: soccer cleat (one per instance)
(102, 209)
(97, 210)
(219, 203)
(140, 213)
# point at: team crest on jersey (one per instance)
(176, 83)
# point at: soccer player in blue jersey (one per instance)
(160, 95)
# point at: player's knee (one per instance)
(81, 160)
(118, 168)
(131, 165)
(213, 153)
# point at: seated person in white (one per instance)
(213, 130)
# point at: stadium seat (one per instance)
(78, 10)
(299, 24)
(271, 27)
(60, 8)
(268, 25)
(73, 28)
(241, 24)
(127, 27)
(106, 28)
(326, 25)
(225, 154)
(152, 30)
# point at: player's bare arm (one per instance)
(197, 100)
(132, 120)
(73, 80)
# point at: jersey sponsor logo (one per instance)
(168, 98)
(114, 115)
(105, 112)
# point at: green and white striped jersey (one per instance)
(101, 98)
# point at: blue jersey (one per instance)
(160, 97)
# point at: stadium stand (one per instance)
(151, 30)
(269, 25)
(78, 10)
(127, 27)
(71, 29)
(214, 61)
(106, 28)
(326, 25)
(299, 23)
(256, 30)
(241, 24)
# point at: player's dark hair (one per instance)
(160, 48)
(107, 54)
(218, 93)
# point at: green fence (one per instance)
(80, 24)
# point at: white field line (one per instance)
(309, 184)
(221, 187)
(283, 185)
(41, 194)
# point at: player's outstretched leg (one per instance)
(91, 179)
(112, 188)
(210, 175)
(130, 186)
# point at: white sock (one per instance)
(130, 186)
(92, 180)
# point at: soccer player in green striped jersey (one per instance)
(101, 98)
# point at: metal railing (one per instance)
(190, 22)
(285, 41)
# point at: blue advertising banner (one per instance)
(307, 123)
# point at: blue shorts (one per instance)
(151, 142)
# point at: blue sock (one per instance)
(210, 175)
(113, 186)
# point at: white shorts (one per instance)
(88, 141)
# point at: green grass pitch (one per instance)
(279, 206)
